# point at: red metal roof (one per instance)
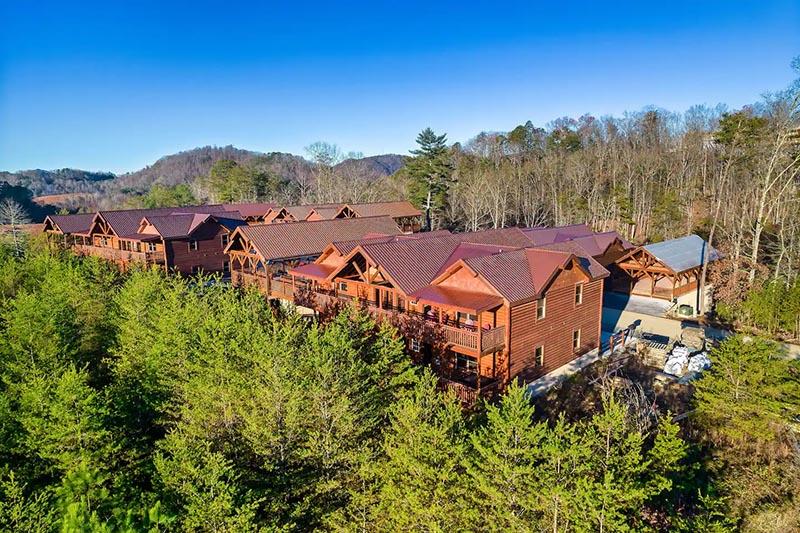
(594, 243)
(251, 209)
(393, 209)
(126, 222)
(345, 247)
(414, 262)
(184, 224)
(584, 258)
(78, 223)
(313, 270)
(543, 235)
(307, 239)
(505, 258)
(465, 250)
(449, 296)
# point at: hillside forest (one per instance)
(147, 402)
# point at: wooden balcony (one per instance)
(463, 337)
(243, 279)
(281, 287)
(460, 336)
(490, 339)
(113, 254)
(467, 393)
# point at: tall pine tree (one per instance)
(431, 175)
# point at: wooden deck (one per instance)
(467, 394)
(489, 340)
(114, 254)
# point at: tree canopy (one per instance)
(138, 401)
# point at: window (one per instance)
(466, 362)
(576, 340)
(224, 238)
(579, 294)
(415, 345)
(539, 352)
(541, 307)
(467, 319)
(343, 286)
(151, 247)
(193, 245)
(226, 266)
(196, 269)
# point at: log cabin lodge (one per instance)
(480, 308)
(192, 239)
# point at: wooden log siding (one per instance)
(209, 255)
(554, 332)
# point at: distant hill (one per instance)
(183, 167)
(24, 197)
(375, 166)
(65, 180)
(72, 185)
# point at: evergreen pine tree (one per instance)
(431, 175)
(503, 464)
(421, 476)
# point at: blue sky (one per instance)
(115, 85)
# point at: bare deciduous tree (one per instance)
(13, 216)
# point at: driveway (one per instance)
(621, 310)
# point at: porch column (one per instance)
(480, 335)
(480, 348)
(478, 378)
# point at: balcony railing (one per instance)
(459, 335)
(114, 254)
(493, 339)
(246, 279)
(490, 339)
(469, 394)
(282, 286)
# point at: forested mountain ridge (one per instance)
(65, 180)
(184, 168)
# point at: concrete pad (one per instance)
(635, 304)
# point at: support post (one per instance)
(480, 336)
